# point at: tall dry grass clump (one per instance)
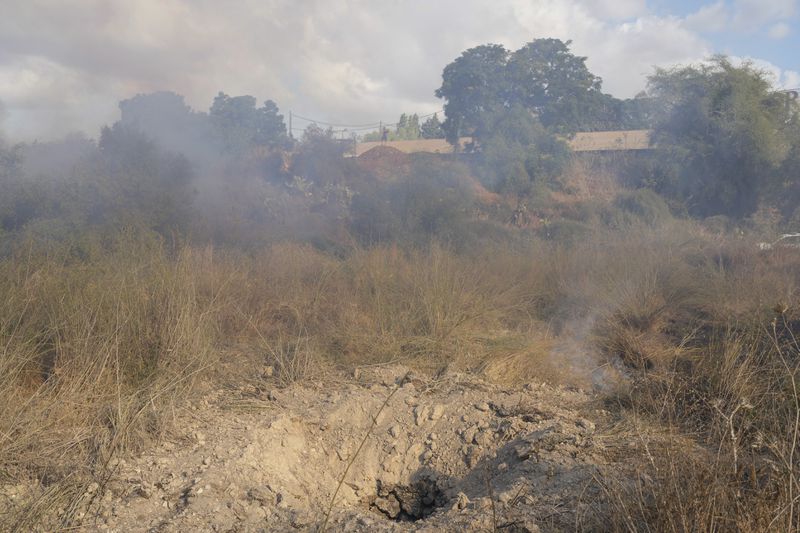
(94, 354)
(717, 412)
(425, 307)
(719, 441)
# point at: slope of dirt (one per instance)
(447, 454)
(385, 162)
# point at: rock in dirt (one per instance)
(420, 414)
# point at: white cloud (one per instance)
(66, 65)
(751, 15)
(616, 9)
(710, 18)
(779, 77)
(779, 30)
(635, 48)
(790, 79)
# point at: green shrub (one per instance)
(566, 232)
(644, 204)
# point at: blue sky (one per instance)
(64, 66)
(767, 29)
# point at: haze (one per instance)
(65, 66)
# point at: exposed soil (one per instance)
(385, 162)
(452, 453)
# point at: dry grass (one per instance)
(100, 344)
(94, 355)
(728, 459)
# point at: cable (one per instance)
(334, 124)
(358, 127)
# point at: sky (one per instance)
(66, 64)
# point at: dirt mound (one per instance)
(385, 162)
(385, 154)
(402, 453)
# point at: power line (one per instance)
(358, 127)
(334, 125)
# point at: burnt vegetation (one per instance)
(182, 249)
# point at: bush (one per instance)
(566, 232)
(434, 202)
(645, 205)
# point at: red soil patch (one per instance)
(385, 162)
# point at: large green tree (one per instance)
(240, 124)
(786, 194)
(543, 78)
(514, 105)
(549, 80)
(166, 118)
(472, 85)
(408, 127)
(722, 133)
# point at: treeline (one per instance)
(726, 143)
(409, 128)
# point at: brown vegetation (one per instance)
(101, 341)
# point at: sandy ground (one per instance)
(406, 453)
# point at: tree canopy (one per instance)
(543, 78)
(473, 84)
(240, 124)
(10, 160)
(723, 134)
(432, 128)
(548, 80)
(514, 104)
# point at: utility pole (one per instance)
(291, 133)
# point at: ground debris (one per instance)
(438, 458)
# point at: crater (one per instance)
(409, 503)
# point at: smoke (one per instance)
(344, 62)
(3, 116)
(56, 159)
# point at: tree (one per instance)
(543, 78)
(786, 194)
(319, 158)
(722, 135)
(10, 161)
(135, 180)
(432, 128)
(166, 118)
(269, 126)
(408, 127)
(517, 153)
(546, 78)
(241, 125)
(16, 205)
(472, 85)
(513, 105)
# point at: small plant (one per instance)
(294, 359)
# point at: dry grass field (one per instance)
(101, 344)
